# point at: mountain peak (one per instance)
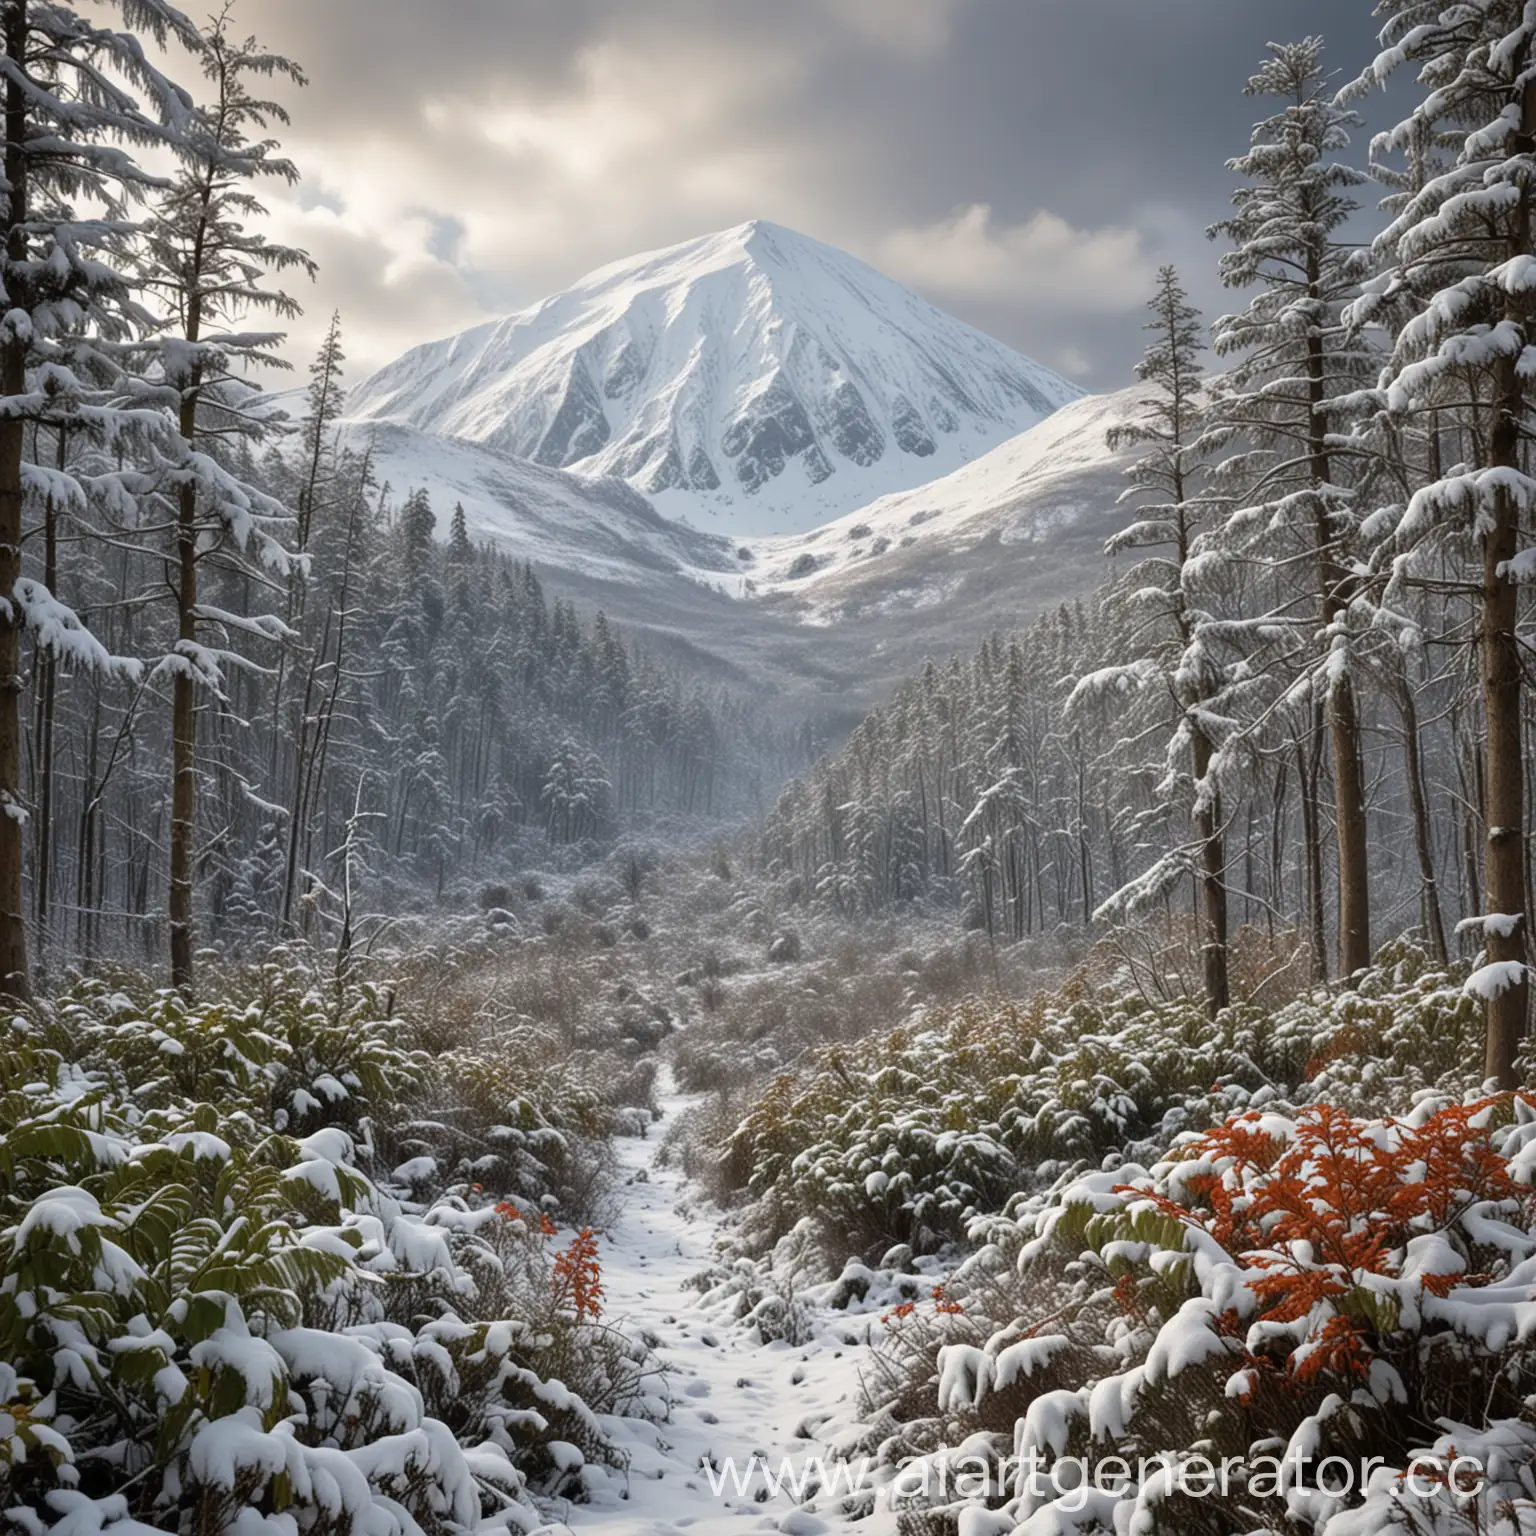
(756, 242)
(755, 379)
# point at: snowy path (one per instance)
(732, 1396)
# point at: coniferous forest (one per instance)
(465, 1070)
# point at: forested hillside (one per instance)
(410, 711)
(254, 687)
(1299, 702)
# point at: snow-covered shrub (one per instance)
(751, 1294)
(205, 1316)
(519, 1116)
(297, 1059)
(785, 948)
(854, 985)
(910, 1134)
(1284, 1289)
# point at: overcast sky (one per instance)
(1026, 164)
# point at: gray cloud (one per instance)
(1024, 163)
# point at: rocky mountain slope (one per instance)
(753, 381)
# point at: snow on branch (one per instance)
(1472, 496)
(1491, 981)
(1492, 925)
(54, 627)
(1109, 682)
(264, 626)
(1148, 889)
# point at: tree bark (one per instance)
(1413, 767)
(1343, 712)
(184, 750)
(14, 976)
(1308, 773)
(1213, 887)
(1504, 793)
(46, 722)
(184, 702)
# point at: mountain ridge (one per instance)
(990, 546)
(751, 381)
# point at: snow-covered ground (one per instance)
(733, 1397)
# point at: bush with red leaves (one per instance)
(1300, 1286)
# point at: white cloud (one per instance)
(450, 178)
(1042, 261)
(637, 153)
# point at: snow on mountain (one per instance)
(830, 620)
(751, 381)
(599, 528)
(1036, 494)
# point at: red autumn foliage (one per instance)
(509, 1212)
(578, 1278)
(1127, 1295)
(1318, 1211)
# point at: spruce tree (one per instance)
(1169, 666)
(1279, 408)
(67, 187)
(210, 268)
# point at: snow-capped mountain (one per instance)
(753, 381)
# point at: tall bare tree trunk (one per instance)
(1504, 794)
(184, 704)
(14, 976)
(1504, 870)
(1335, 584)
(47, 705)
(1309, 772)
(1274, 883)
(1349, 814)
(1423, 835)
(1213, 886)
(184, 751)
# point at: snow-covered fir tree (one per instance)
(208, 264)
(1289, 484)
(1170, 672)
(67, 188)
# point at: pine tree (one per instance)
(325, 401)
(1170, 659)
(1295, 359)
(460, 550)
(210, 268)
(66, 127)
